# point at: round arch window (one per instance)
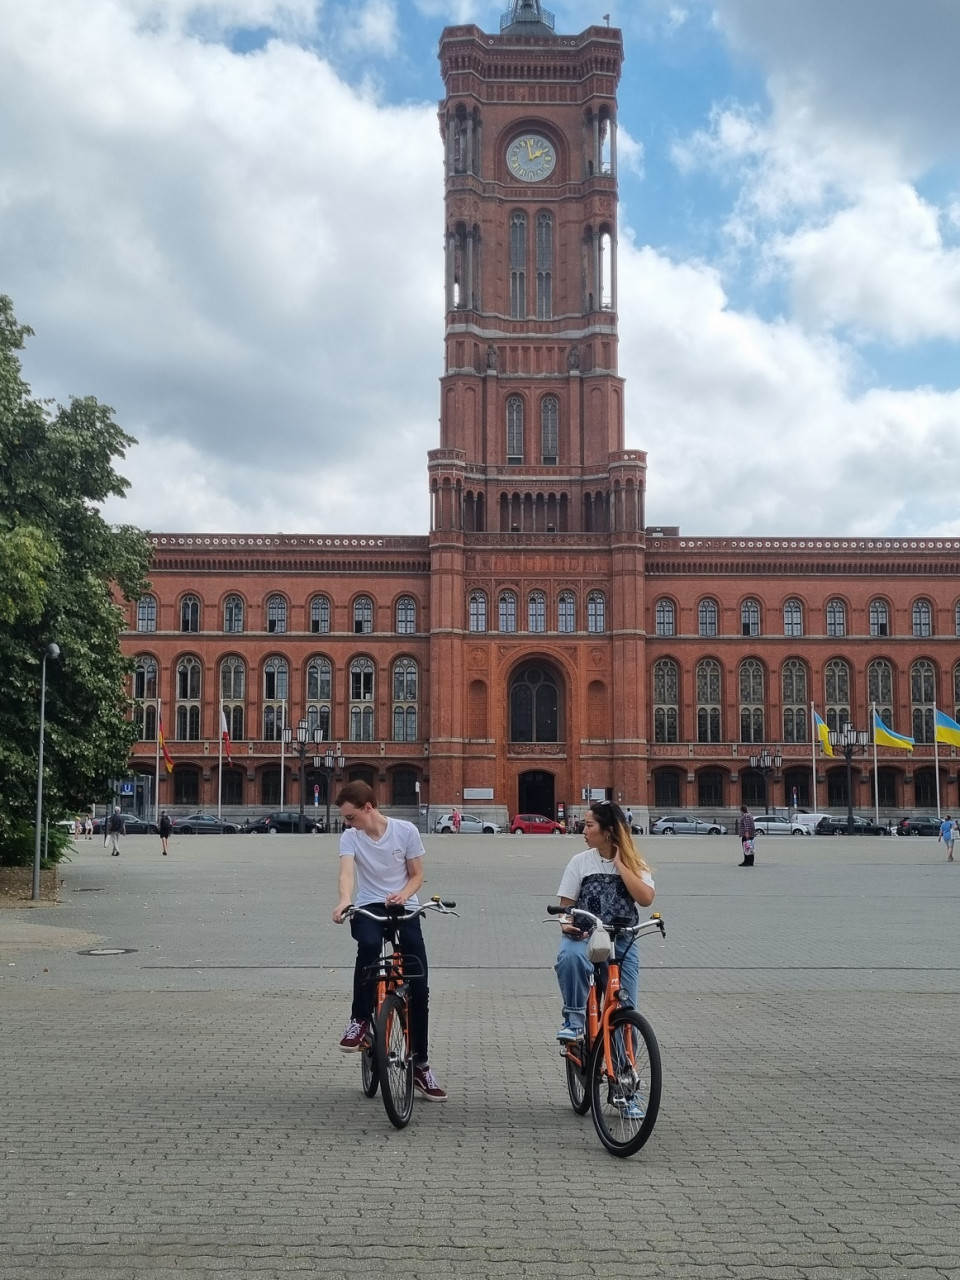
(534, 705)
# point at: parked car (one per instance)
(200, 824)
(805, 824)
(284, 821)
(918, 825)
(687, 826)
(133, 825)
(774, 824)
(469, 824)
(834, 826)
(528, 824)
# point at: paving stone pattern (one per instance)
(182, 1110)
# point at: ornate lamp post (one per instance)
(765, 763)
(51, 651)
(305, 735)
(329, 764)
(849, 740)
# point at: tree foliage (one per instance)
(61, 569)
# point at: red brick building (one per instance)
(539, 641)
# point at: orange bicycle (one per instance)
(614, 1071)
(386, 1061)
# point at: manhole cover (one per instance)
(107, 951)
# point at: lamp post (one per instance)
(849, 740)
(51, 651)
(765, 763)
(304, 735)
(329, 764)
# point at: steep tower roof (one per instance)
(527, 18)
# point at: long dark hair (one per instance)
(611, 819)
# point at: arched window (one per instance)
(665, 618)
(836, 690)
(537, 612)
(405, 680)
(793, 618)
(708, 700)
(189, 614)
(534, 706)
(751, 701)
(406, 616)
(793, 684)
(707, 617)
(922, 619)
(275, 695)
(147, 613)
(549, 430)
(923, 697)
(145, 698)
(276, 614)
(233, 614)
(836, 618)
(956, 693)
(956, 619)
(544, 266)
(508, 611)
(596, 612)
(320, 615)
(188, 700)
(880, 689)
(319, 693)
(478, 611)
(233, 681)
(515, 431)
(361, 700)
(566, 612)
(518, 265)
(750, 618)
(362, 616)
(879, 618)
(666, 701)
(145, 678)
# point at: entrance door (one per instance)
(535, 793)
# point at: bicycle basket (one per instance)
(599, 946)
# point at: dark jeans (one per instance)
(369, 935)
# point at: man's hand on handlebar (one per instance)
(340, 910)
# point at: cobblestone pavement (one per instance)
(181, 1110)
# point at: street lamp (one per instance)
(765, 763)
(51, 651)
(849, 740)
(304, 735)
(329, 764)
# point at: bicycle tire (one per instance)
(394, 1061)
(369, 1075)
(576, 1061)
(633, 1085)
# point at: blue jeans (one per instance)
(369, 935)
(573, 973)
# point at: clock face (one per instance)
(531, 158)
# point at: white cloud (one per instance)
(372, 28)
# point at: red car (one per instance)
(526, 824)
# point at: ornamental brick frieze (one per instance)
(526, 749)
(477, 658)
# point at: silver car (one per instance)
(687, 826)
(774, 824)
(470, 824)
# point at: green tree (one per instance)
(62, 569)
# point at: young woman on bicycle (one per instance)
(608, 878)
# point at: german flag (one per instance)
(163, 745)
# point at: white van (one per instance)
(805, 824)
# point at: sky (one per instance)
(225, 219)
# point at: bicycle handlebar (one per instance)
(444, 905)
(656, 921)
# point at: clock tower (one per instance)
(533, 496)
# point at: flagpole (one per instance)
(156, 779)
(813, 753)
(283, 725)
(220, 764)
(936, 760)
(876, 777)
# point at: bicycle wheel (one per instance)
(369, 1074)
(575, 1059)
(625, 1092)
(394, 1062)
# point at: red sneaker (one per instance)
(426, 1082)
(355, 1036)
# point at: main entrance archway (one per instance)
(536, 793)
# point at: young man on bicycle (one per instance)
(383, 857)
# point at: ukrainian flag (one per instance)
(884, 737)
(823, 733)
(946, 730)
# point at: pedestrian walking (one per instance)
(166, 826)
(114, 828)
(948, 834)
(629, 817)
(748, 834)
(88, 827)
(455, 820)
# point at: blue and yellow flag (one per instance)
(823, 733)
(885, 737)
(946, 730)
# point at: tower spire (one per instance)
(527, 18)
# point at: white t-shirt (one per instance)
(595, 885)
(381, 865)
